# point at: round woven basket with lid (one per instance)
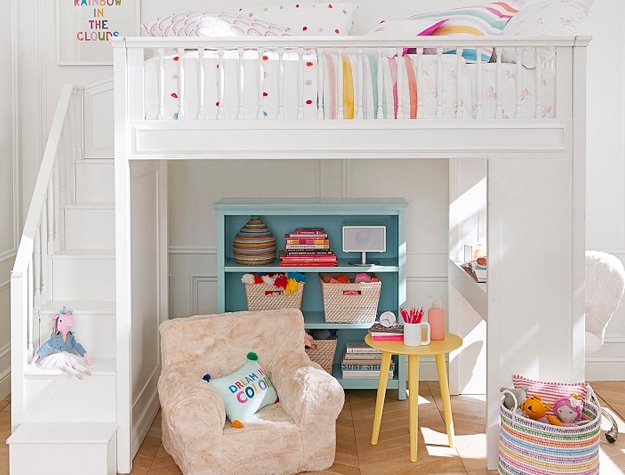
(254, 244)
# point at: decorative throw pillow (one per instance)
(544, 18)
(303, 19)
(211, 25)
(404, 28)
(478, 20)
(245, 391)
(550, 391)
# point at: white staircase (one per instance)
(66, 257)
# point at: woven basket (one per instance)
(528, 447)
(322, 353)
(350, 303)
(269, 297)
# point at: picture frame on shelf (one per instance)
(85, 30)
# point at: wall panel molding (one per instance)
(197, 305)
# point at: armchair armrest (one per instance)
(193, 412)
(307, 393)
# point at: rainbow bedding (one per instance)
(341, 86)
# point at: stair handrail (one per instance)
(27, 268)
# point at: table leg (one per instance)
(444, 386)
(379, 402)
(413, 403)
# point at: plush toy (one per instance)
(568, 411)
(508, 400)
(61, 351)
(536, 409)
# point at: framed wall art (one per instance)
(85, 29)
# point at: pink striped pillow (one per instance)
(550, 392)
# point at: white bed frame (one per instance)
(535, 198)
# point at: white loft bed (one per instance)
(533, 159)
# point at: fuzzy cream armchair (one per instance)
(295, 435)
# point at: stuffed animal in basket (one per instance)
(568, 411)
(61, 351)
(536, 409)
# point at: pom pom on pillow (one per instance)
(304, 19)
(245, 391)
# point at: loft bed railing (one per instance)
(31, 286)
(196, 57)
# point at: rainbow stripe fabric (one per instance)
(479, 20)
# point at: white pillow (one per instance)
(307, 19)
(210, 24)
(404, 28)
(544, 18)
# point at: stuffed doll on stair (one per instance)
(62, 350)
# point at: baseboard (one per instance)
(150, 406)
(605, 370)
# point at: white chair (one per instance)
(605, 283)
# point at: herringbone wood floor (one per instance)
(356, 456)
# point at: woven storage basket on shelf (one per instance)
(269, 297)
(350, 303)
(322, 353)
(528, 447)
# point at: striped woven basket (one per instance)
(528, 447)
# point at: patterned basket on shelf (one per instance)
(350, 303)
(322, 353)
(269, 297)
(528, 447)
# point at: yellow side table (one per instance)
(436, 348)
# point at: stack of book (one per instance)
(381, 332)
(478, 268)
(307, 247)
(360, 361)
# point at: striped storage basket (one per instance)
(528, 447)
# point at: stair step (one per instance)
(95, 180)
(90, 225)
(100, 367)
(80, 448)
(79, 274)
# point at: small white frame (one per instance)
(85, 27)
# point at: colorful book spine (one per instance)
(315, 252)
(388, 337)
(302, 240)
(313, 231)
(307, 246)
(361, 358)
(364, 367)
(360, 347)
(307, 264)
(309, 259)
(363, 374)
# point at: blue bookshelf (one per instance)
(282, 215)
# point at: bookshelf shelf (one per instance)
(282, 215)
